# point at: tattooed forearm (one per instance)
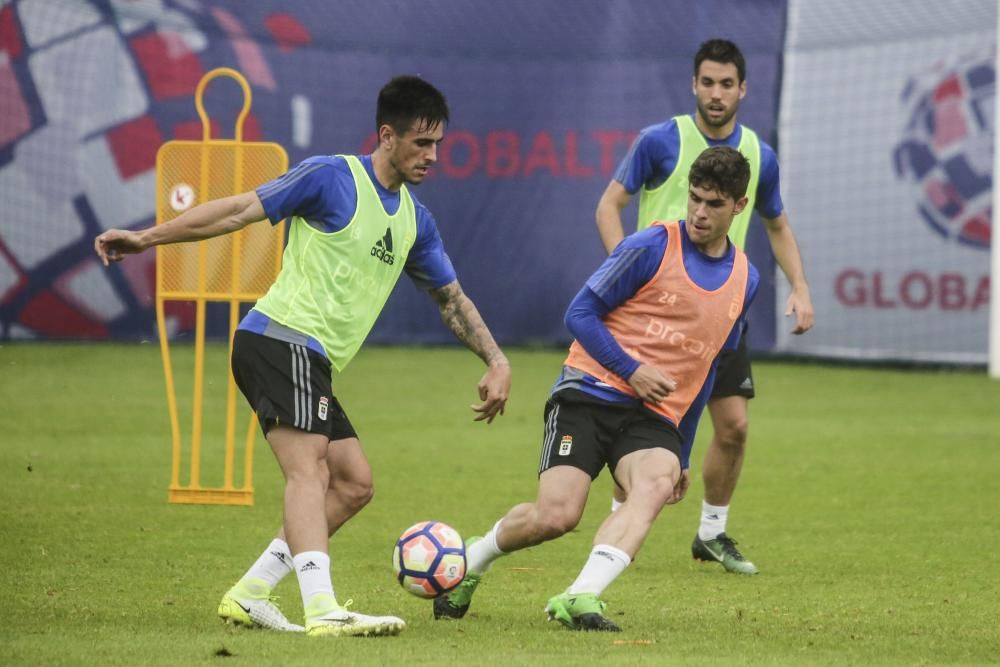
(460, 315)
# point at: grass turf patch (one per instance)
(867, 500)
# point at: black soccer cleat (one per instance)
(454, 604)
(722, 550)
(596, 623)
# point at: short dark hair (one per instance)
(722, 169)
(721, 51)
(407, 99)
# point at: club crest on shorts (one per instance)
(324, 403)
(565, 445)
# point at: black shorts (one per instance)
(587, 433)
(288, 384)
(733, 376)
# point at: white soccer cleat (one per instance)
(240, 607)
(339, 622)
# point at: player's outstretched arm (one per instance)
(461, 316)
(786, 253)
(609, 215)
(205, 221)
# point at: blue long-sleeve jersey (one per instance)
(632, 265)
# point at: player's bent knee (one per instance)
(354, 495)
(556, 523)
(654, 491)
(309, 473)
(733, 434)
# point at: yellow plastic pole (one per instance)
(234, 305)
(199, 328)
(251, 163)
(175, 425)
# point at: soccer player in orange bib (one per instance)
(656, 170)
(649, 326)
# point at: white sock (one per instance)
(713, 520)
(273, 565)
(480, 556)
(602, 567)
(313, 571)
(615, 504)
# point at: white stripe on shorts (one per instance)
(550, 436)
(301, 381)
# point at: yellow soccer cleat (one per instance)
(250, 604)
(337, 621)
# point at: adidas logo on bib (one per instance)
(383, 248)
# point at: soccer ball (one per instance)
(429, 559)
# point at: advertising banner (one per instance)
(545, 99)
(886, 140)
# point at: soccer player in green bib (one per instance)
(656, 167)
(354, 228)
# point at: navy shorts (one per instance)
(733, 375)
(587, 433)
(288, 384)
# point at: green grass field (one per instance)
(869, 500)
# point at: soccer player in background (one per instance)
(656, 166)
(355, 226)
(649, 325)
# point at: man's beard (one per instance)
(409, 180)
(726, 117)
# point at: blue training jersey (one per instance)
(632, 265)
(321, 191)
(653, 155)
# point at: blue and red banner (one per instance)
(545, 99)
